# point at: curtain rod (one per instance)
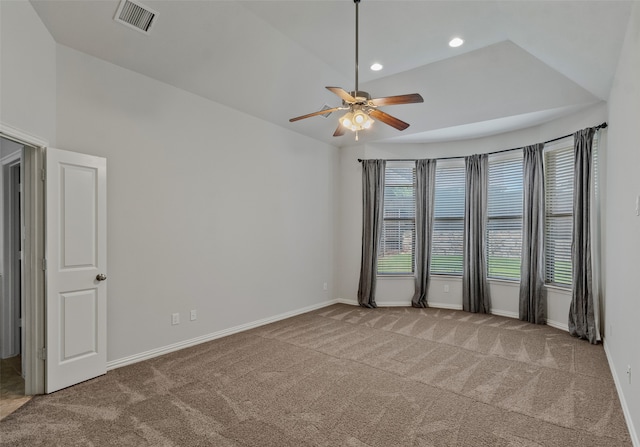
(601, 126)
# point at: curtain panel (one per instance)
(372, 217)
(582, 322)
(475, 289)
(532, 305)
(425, 188)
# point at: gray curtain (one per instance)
(372, 216)
(581, 313)
(475, 290)
(532, 294)
(425, 187)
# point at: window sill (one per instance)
(406, 276)
(563, 290)
(506, 282)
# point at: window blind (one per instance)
(396, 253)
(559, 167)
(504, 208)
(448, 222)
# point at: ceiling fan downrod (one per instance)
(362, 110)
(357, 2)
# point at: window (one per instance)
(448, 223)
(558, 229)
(504, 226)
(396, 252)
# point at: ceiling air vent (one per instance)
(325, 107)
(136, 16)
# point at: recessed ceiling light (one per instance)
(376, 67)
(455, 42)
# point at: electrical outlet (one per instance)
(324, 286)
(446, 288)
(629, 373)
(175, 319)
(194, 315)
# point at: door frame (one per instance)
(33, 254)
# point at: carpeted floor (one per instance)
(346, 376)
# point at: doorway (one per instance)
(21, 284)
(12, 356)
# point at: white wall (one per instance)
(27, 71)
(622, 255)
(398, 291)
(208, 208)
(27, 104)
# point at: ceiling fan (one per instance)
(362, 110)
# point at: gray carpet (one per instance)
(347, 376)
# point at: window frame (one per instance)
(554, 257)
(390, 165)
(438, 268)
(494, 160)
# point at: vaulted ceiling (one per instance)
(523, 62)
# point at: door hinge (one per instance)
(44, 263)
(43, 174)
(43, 354)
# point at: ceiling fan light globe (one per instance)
(368, 123)
(347, 120)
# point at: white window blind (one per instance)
(504, 226)
(396, 253)
(559, 166)
(448, 225)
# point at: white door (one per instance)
(76, 268)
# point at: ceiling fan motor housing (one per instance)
(361, 97)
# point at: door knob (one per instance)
(101, 277)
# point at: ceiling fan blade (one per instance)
(400, 99)
(339, 130)
(319, 112)
(388, 119)
(346, 97)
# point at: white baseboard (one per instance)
(504, 313)
(623, 403)
(445, 306)
(345, 301)
(561, 326)
(393, 304)
(118, 363)
(401, 304)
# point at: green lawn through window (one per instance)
(501, 268)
